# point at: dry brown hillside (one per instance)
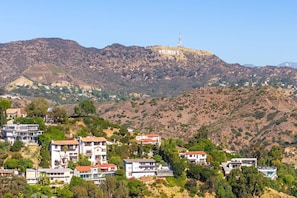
(234, 116)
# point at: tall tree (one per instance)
(13, 184)
(59, 115)
(38, 107)
(85, 107)
(4, 105)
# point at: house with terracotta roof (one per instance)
(62, 151)
(12, 113)
(94, 148)
(196, 157)
(97, 173)
(107, 167)
(154, 139)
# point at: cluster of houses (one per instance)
(95, 149)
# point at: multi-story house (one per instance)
(63, 175)
(94, 148)
(154, 139)
(96, 173)
(27, 133)
(237, 163)
(63, 151)
(140, 167)
(229, 166)
(196, 157)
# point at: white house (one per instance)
(268, 171)
(237, 163)
(27, 133)
(62, 151)
(96, 173)
(140, 167)
(94, 148)
(62, 175)
(229, 166)
(149, 139)
(196, 157)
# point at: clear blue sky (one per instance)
(259, 32)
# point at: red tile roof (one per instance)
(105, 165)
(83, 168)
(93, 139)
(65, 142)
(195, 152)
(147, 140)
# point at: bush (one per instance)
(259, 114)
(17, 145)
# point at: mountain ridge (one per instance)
(154, 70)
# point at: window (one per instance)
(88, 144)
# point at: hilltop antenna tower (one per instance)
(180, 43)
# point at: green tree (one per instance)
(44, 179)
(59, 115)
(191, 186)
(275, 155)
(117, 161)
(93, 190)
(64, 192)
(85, 107)
(137, 188)
(46, 190)
(83, 161)
(255, 182)
(75, 181)
(17, 145)
(223, 189)
(13, 185)
(158, 158)
(4, 105)
(79, 192)
(178, 168)
(11, 163)
(246, 183)
(122, 190)
(37, 108)
(25, 163)
(44, 158)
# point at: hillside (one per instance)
(234, 116)
(155, 70)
